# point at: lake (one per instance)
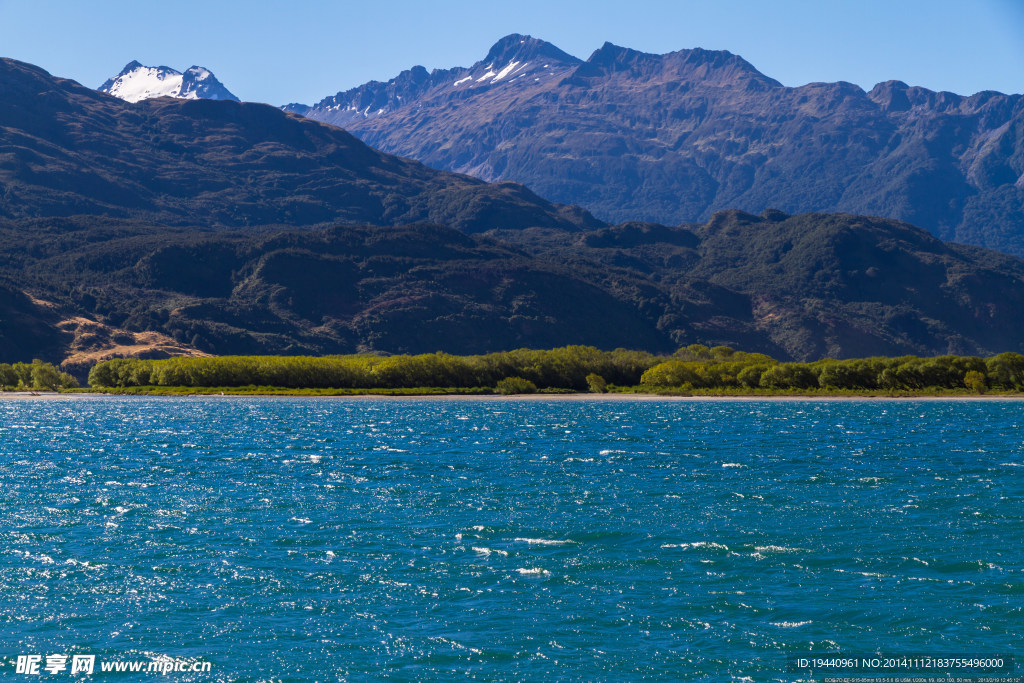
(356, 539)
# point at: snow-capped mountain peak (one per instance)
(514, 64)
(139, 82)
(199, 82)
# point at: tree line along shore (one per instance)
(34, 376)
(695, 369)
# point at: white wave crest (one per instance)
(536, 571)
(543, 541)
(779, 549)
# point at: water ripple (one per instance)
(338, 539)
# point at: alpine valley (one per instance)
(173, 226)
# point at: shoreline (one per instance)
(600, 398)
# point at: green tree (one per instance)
(673, 373)
(596, 383)
(838, 375)
(45, 376)
(975, 381)
(750, 376)
(789, 376)
(722, 352)
(8, 378)
(23, 371)
(888, 379)
(101, 375)
(694, 352)
(1006, 370)
(516, 385)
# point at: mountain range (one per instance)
(69, 150)
(170, 226)
(676, 137)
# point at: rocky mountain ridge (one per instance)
(675, 137)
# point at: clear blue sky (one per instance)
(280, 52)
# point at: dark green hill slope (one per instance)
(406, 288)
(28, 329)
(800, 287)
(814, 285)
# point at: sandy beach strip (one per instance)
(557, 398)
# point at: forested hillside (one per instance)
(801, 287)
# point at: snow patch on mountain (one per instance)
(515, 62)
(144, 82)
(511, 68)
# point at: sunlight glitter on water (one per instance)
(346, 538)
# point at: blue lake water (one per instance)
(357, 539)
